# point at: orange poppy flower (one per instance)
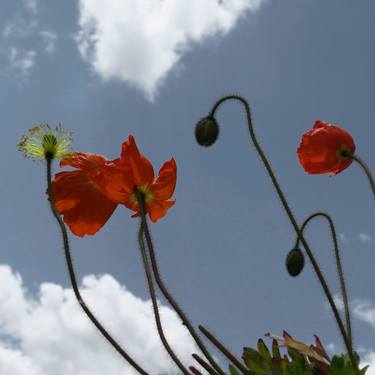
(79, 194)
(134, 171)
(87, 197)
(322, 149)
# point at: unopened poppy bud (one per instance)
(207, 131)
(295, 261)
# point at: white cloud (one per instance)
(365, 238)
(21, 60)
(343, 238)
(139, 42)
(51, 334)
(49, 40)
(365, 311)
(19, 27)
(369, 359)
(31, 6)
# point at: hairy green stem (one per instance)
(204, 364)
(367, 171)
(146, 266)
(171, 299)
(195, 371)
(73, 280)
(340, 272)
(224, 350)
(289, 212)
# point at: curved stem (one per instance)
(73, 280)
(170, 298)
(151, 288)
(289, 213)
(340, 272)
(366, 169)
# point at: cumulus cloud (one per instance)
(19, 27)
(365, 238)
(49, 334)
(369, 359)
(21, 60)
(22, 29)
(49, 40)
(364, 311)
(31, 6)
(139, 42)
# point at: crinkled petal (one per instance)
(319, 147)
(84, 207)
(117, 181)
(158, 209)
(165, 183)
(142, 170)
(84, 161)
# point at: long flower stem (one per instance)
(194, 370)
(151, 288)
(289, 213)
(224, 350)
(73, 280)
(366, 169)
(170, 298)
(204, 364)
(340, 272)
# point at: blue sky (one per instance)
(105, 70)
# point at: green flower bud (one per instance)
(207, 131)
(295, 261)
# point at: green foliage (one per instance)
(341, 365)
(300, 360)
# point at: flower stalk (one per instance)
(73, 279)
(367, 171)
(150, 283)
(169, 296)
(290, 214)
(340, 272)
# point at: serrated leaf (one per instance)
(254, 361)
(263, 351)
(233, 370)
(275, 350)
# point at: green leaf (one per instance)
(263, 351)
(233, 370)
(275, 350)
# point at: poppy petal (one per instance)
(158, 209)
(84, 161)
(142, 170)
(117, 181)
(84, 207)
(165, 183)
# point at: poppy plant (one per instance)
(325, 149)
(87, 196)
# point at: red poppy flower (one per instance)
(87, 197)
(79, 194)
(322, 149)
(134, 172)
